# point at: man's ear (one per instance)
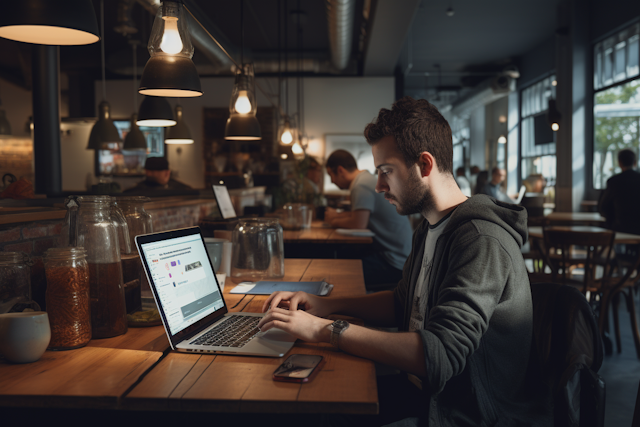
(340, 171)
(426, 163)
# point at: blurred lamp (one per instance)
(242, 124)
(104, 131)
(155, 111)
(135, 139)
(178, 134)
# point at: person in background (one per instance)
(392, 240)
(463, 307)
(481, 180)
(492, 188)
(620, 202)
(157, 177)
(463, 182)
(473, 178)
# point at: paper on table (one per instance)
(264, 287)
(362, 232)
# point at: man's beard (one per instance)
(416, 197)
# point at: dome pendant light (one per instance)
(135, 139)
(155, 111)
(242, 124)
(49, 22)
(178, 134)
(170, 71)
(104, 132)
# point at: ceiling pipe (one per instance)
(340, 16)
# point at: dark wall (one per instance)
(538, 62)
(609, 15)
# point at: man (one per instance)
(463, 182)
(392, 240)
(463, 306)
(620, 201)
(492, 188)
(157, 177)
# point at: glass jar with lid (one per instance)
(15, 283)
(97, 233)
(138, 220)
(67, 297)
(258, 250)
(117, 216)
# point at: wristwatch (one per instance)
(337, 328)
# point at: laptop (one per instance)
(223, 200)
(191, 305)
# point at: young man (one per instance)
(463, 306)
(620, 201)
(157, 177)
(492, 188)
(392, 240)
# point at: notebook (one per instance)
(265, 287)
(190, 301)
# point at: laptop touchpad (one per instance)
(276, 334)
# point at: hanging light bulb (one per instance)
(553, 115)
(171, 41)
(287, 136)
(242, 124)
(297, 150)
(170, 71)
(555, 127)
(502, 139)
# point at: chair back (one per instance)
(559, 242)
(568, 349)
(534, 204)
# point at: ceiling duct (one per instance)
(340, 16)
(485, 93)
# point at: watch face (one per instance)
(339, 325)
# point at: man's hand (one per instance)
(330, 214)
(294, 301)
(298, 323)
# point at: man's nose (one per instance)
(381, 186)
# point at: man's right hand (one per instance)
(298, 300)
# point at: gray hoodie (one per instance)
(478, 326)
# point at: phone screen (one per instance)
(297, 367)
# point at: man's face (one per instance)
(403, 187)
(499, 176)
(337, 177)
(161, 177)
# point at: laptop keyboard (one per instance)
(235, 332)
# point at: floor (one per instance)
(621, 373)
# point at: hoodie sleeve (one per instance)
(478, 269)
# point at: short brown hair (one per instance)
(416, 126)
(341, 158)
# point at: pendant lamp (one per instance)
(242, 124)
(72, 22)
(5, 126)
(135, 139)
(155, 111)
(104, 131)
(170, 71)
(178, 134)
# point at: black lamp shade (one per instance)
(178, 134)
(135, 139)
(71, 22)
(5, 126)
(242, 127)
(104, 131)
(155, 111)
(171, 76)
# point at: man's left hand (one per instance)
(300, 324)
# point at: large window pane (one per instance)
(616, 118)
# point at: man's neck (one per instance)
(352, 176)
(446, 197)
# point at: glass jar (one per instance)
(117, 216)
(15, 283)
(138, 220)
(297, 216)
(67, 297)
(258, 250)
(98, 235)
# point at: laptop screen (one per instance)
(183, 279)
(223, 200)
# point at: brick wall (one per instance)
(35, 238)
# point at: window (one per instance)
(460, 135)
(538, 147)
(616, 104)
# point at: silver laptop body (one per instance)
(190, 302)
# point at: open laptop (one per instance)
(193, 311)
(223, 200)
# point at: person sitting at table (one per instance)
(463, 306)
(463, 182)
(157, 177)
(369, 209)
(620, 202)
(492, 188)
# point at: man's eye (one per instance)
(385, 172)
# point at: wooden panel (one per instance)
(86, 377)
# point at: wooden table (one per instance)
(620, 238)
(137, 371)
(575, 218)
(323, 242)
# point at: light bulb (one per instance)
(243, 106)
(502, 139)
(555, 127)
(286, 137)
(283, 156)
(171, 42)
(297, 148)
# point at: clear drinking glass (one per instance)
(98, 235)
(138, 220)
(297, 216)
(15, 283)
(258, 250)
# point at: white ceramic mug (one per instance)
(24, 337)
(214, 247)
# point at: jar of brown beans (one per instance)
(67, 297)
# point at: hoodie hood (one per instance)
(513, 218)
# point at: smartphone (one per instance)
(298, 368)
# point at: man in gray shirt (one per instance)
(369, 209)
